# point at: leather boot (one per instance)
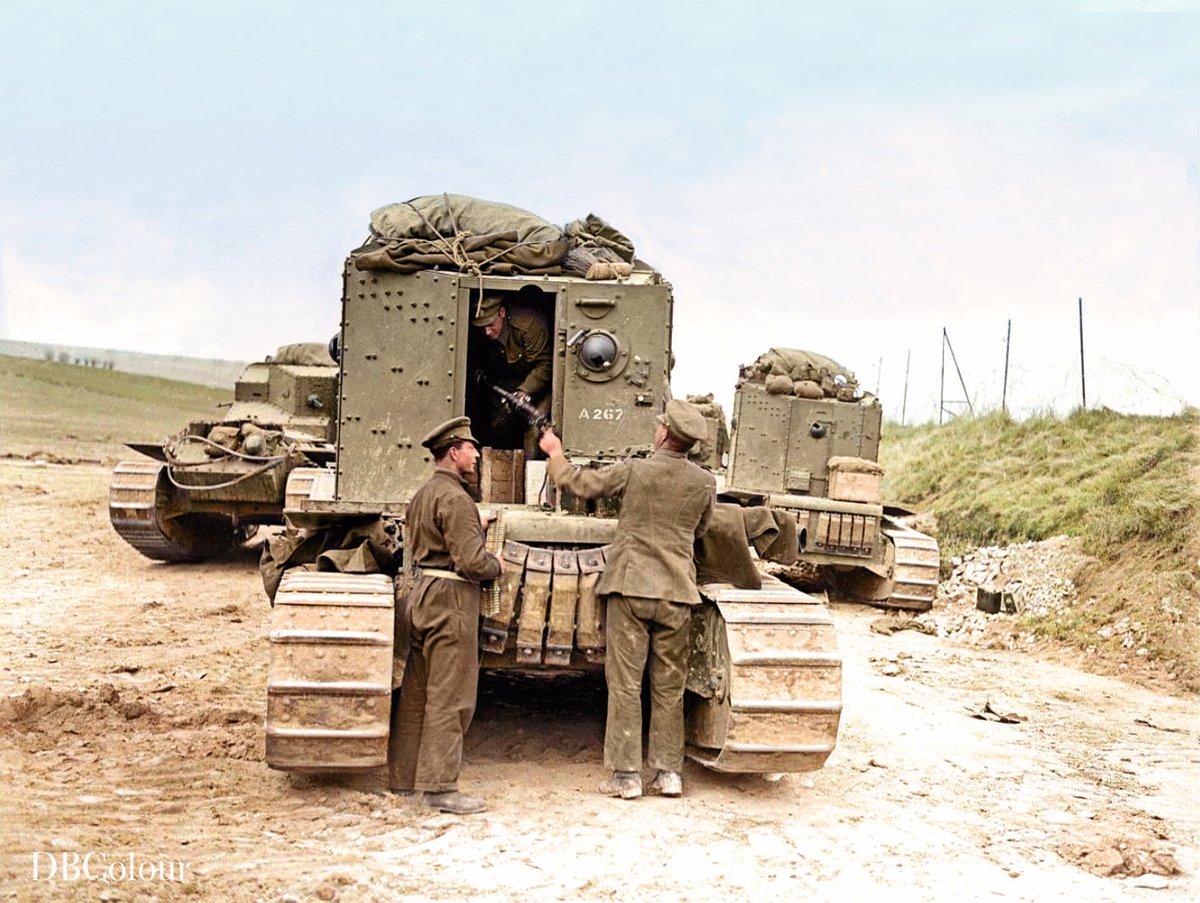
(625, 784)
(668, 783)
(454, 802)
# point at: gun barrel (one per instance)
(535, 417)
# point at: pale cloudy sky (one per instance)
(851, 178)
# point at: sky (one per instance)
(902, 187)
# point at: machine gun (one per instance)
(515, 402)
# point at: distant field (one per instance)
(219, 374)
(88, 413)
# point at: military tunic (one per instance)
(441, 622)
(649, 585)
(520, 362)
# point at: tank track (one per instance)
(329, 679)
(765, 681)
(915, 578)
(299, 488)
(764, 675)
(910, 578)
(135, 512)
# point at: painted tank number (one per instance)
(601, 413)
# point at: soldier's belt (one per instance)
(439, 572)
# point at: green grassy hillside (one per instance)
(1128, 487)
(87, 413)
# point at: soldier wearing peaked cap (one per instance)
(447, 560)
(649, 588)
(518, 360)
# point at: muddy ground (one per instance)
(131, 702)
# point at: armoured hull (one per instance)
(813, 457)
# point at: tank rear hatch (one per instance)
(408, 353)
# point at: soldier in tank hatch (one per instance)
(518, 360)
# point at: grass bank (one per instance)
(1127, 487)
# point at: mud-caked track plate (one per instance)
(915, 579)
(329, 680)
(765, 678)
(132, 498)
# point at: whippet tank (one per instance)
(207, 488)
(764, 680)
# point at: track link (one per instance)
(915, 578)
(766, 680)
(329, 680)
(136, 512)
(299, 488)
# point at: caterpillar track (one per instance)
(136, 497)
(764, 676)
(909, 578)
(329, 680)
(915, 578)
(765, 680)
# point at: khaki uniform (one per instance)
(649, 585)
(520, 362)
(441, 622)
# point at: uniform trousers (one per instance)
(437, 694)
(638, 629)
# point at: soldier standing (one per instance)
(649, 588)
(445, 551)
(519, 362)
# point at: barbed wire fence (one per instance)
(1033, 384)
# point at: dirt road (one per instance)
(131, 699)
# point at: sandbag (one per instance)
(779, 384)
(710, 450)
(707, 406)
(594, 263)
(800, 365)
